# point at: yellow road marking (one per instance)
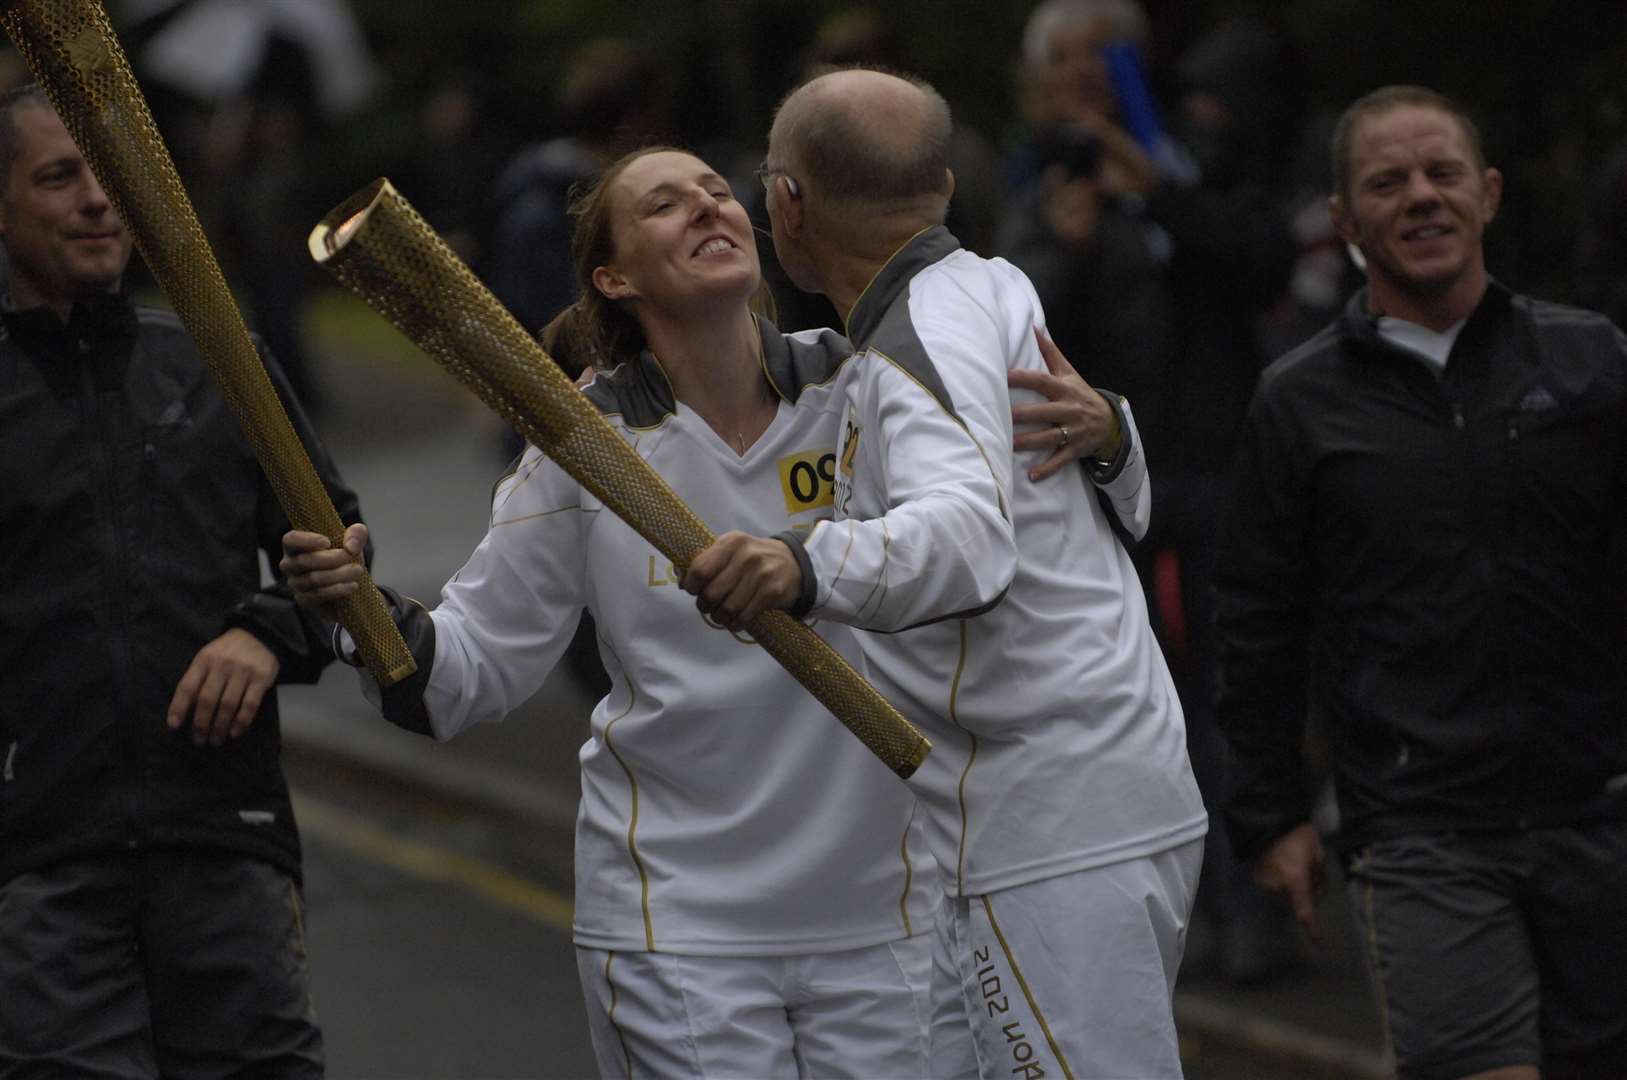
(344, 829)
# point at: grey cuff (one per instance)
(1105, 472)
(805, 602)
(337, 643)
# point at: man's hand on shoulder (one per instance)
(220, 693)
(739, 577)
(1295, 868)
(1079, 420)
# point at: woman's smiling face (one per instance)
(680, 236)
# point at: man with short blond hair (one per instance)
(1423, 547)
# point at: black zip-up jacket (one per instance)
(1438, 563)
(132, 514)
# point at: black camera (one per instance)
(1074, 147)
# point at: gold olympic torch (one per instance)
(73, 52)
(379, 246)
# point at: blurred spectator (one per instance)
(614, 98)
(217, 50)
(1154, 280)
(240, 90)
(1063, 77)
(264, 217)
(865, 37)
(1325, 273)
(453, 160)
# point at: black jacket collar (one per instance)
(1358, 323)
(96, 326)
(1469, 353)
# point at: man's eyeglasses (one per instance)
(767, 174)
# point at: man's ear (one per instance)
(611, 284)
(791, 208)
(1494, 193)
(949, 183)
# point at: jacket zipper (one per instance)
(115, 581)
(1511, 674)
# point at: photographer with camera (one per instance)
(1155, 255)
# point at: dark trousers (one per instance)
(178, 964)
(1499, 948)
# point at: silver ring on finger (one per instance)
(1065, 435)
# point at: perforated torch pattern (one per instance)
(379, 247)
(72, 50)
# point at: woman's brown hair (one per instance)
(597, 331)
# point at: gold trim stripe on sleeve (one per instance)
(379, 247)
(632, 814)
(621, 1036)
(70, 47)
(909, 871)
(971, 756)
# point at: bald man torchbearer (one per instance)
(1059, 800)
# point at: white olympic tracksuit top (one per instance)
(1059, 740)
(724, 811)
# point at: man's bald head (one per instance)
(868, 142)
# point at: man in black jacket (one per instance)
(1423, 547)
(150, 908)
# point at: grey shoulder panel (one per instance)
(896, 338)
(637, 391)
(795, 362)
(892, 280)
